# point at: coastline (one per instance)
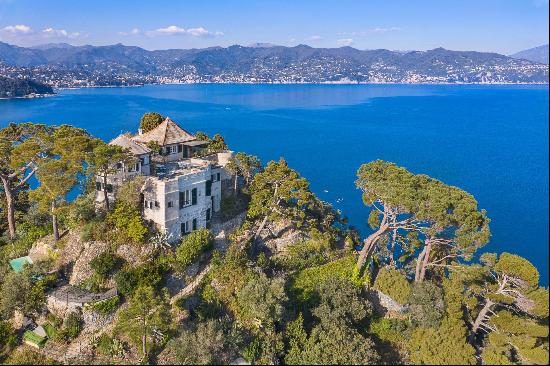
(31, 96)
(297, 83)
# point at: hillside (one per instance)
(276, 277)
(66, 65)
(536, 54)
(12, 88)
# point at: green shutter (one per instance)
(194, 224)
(208, 188)
(194, 196)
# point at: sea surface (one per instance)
(492, 141)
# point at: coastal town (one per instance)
(268, 64)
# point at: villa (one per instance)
(183, 185)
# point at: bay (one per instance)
(490, 140)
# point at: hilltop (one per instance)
(536, 54)
(14, 88)
(276, 276)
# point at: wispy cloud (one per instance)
(59, 33)
(345, 42)
(17, 29)
(25, 34)
(314, 38)
(175, 30)
(370, 31)
(133, 32)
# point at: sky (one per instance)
(503, 26)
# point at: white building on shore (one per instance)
(182, 190)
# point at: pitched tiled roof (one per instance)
(168, 132)
(126, 142)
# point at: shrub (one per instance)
(72, 326)
(427, 306)
(127, 219)
(148, 274)
(8, 339)
(394, 284)
(82, 210)
(106, 306)
(106, 264)
(304, 282)
(103, 344)
(193, 245)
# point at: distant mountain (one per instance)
(48, 46)
(73, 66)
(261, 45)
(537, 54)
(12, 88)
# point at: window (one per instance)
(184, 198)
(170, 204)
(217, 177)
(180, 148)
(208, 190)
(110, 188)
(172, 149)
(208, 215)
(151, 204)
(188, 226)
(98, 186)
(194, 196)
(157, 204)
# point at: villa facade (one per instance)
(182, 188)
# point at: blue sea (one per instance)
(491, 141)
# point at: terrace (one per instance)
(172, 169)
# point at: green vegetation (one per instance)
(106, 264)
(146, 321)
(393, 283)
(288, 288)
(149, 121)
(192, 246)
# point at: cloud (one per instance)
(314, 38)
(345, 42)
(133, 32)
(59, 33)
(175, 30)
(201, 32)
(19, 29)
(373, 30)
(24, 34)
(170, 30)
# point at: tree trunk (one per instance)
(144, 345)
(144, 338)
(256, 235)
(426, 260)
(105, 194)
(481, 317)
(423, 261)
(235, 185)
(369, 244)
(10, 208)
(419, 263)
(54, 223)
